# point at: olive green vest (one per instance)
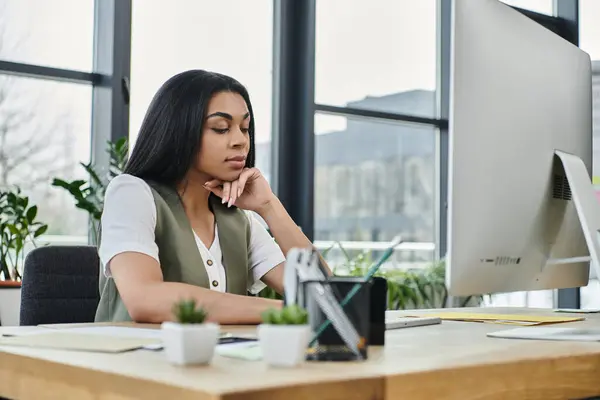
(178, 252)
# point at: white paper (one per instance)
(119, 331)
(249, 351)
(114, 331)
(547, 333)
(578, 310)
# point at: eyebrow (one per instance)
(225, 115)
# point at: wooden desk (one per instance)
(450, 361)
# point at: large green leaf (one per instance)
(40, 231)
(31, 214)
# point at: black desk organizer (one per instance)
(366, 311)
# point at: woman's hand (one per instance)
(250, 191)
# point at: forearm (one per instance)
(155, 304)
(283, 228)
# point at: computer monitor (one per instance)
(522, 214)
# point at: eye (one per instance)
(246, 130)
(224, 130)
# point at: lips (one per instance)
(236, 162)
(237, 158)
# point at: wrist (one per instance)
(269, 208)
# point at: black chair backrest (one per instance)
(60, 285)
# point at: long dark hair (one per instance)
(169, 139)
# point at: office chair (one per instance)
(60, 285)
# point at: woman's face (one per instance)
(225, 137)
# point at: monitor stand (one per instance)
(586, 204)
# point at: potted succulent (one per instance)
(189, 339)
(284, 335)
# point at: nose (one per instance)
(238, 138)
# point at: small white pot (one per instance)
(187, 344)
(283, 345)
(10, 305)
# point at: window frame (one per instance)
(294, 106)
(293, 90)
(109, 77)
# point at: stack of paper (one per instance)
(59, 339)
(107, 339)
(545, 333)
(504, 319)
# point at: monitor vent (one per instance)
(505, 260)
(561, 189)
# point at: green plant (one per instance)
(416, 288)
(17, 225)
(186, 312)
(89, 194)
(288, 315)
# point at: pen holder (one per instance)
(330, 346)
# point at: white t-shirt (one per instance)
(128, 223)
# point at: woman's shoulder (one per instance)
(128, 194)
(127, 185)
(128, 199)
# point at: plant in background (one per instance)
(89, 194)
(186, 312)
(407, 288)
(18, 224)
(288, 315)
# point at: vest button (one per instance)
(215, 283)
(209, 262)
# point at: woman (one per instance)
(173, 226)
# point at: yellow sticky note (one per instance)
(504, 319)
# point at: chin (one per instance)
(228, 176)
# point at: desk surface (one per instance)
(452, 360)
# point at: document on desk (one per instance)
(548, 333)
(503, 319)
(149, 338)
(68, 340)
(154, 335)
(249, 351)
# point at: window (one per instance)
(378, 55)
(539, 6)
(589, 35)
(193, 34)
(57, 33)
(45, 133)
(377, 156)
(589, 41)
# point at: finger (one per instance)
(243, 179)
(234, 196)
(218, 191)
(213, 183)
(226, 192)
(214, 186)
